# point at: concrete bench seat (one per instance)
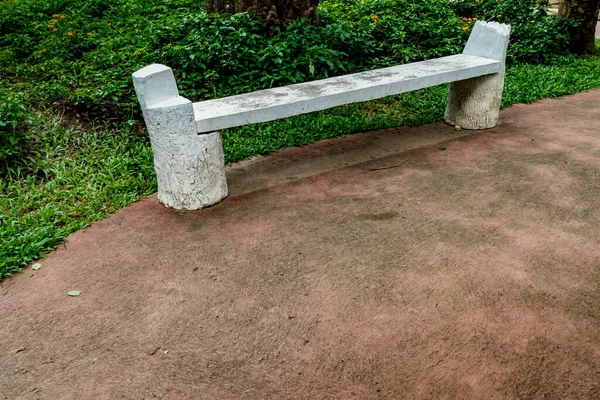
(302, 98)
(186, 138)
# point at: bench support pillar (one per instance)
(189, 167)
(475, 103)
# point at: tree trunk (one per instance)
(272, 12)
(586, 11)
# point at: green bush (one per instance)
(536, 37)
(82, 52)
(13, 119)
(404, 30)
(238, 58)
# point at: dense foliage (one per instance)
(13, 119)
(536, 37)
(82, 52)
(67, 61)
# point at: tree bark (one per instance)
(586, 11)
(271, 12)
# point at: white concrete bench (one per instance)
(186, 138)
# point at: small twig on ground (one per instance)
(389, 166)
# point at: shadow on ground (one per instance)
(371, 267)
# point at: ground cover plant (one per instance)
(73, 149)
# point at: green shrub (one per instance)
(404, 30)
(82, 52)
(238, 58)
(536, 37)
(13, 120)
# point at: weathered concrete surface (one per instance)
(475, 103)
(472, 272)
(303, 98)
(189, 167)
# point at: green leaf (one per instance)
(441, 148)
(36, 266)
(74, 293)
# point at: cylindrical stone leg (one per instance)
(475, 103)
(190, 170)
(189, 167)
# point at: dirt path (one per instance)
(368, 267)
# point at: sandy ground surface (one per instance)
(368, 267)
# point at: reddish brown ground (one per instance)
(367, 267)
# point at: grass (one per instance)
(78, 175)
(74, 180)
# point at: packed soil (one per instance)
(375, 266)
